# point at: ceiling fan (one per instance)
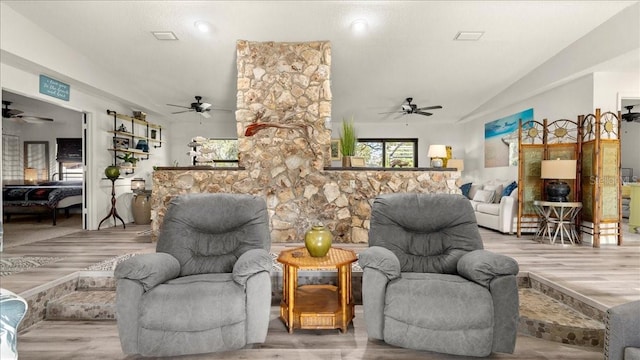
(635, 116)
(410, 108)
(17, 114)
(199, 107)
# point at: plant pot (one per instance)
(346, 161)
(318, 240)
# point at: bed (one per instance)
(42, 199)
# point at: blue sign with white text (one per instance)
(54, 88)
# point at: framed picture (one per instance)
(120, 143)
(335, 150)
(357, 161)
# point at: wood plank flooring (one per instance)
(606, 276)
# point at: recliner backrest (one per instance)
(208, 232)
(427, 232)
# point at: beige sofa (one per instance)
(497, 211)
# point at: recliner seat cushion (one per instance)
(193, 303)
(439, 312)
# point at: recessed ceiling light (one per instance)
(202, 26)
(164, 35)
(469, 35)
(359, 26)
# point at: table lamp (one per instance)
(437, 153)
(137, 185)
(557, 170)
(30, 176)
(456, 164)
(140, 204)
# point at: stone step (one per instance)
(83, 305)
(540, 316)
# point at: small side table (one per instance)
(316, 306)
(113, 212)
(557, 217)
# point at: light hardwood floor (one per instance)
(606, 276)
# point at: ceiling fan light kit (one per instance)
(631, 116)
(410, 108)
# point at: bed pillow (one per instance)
(465, 189)
(484, 196)
(497, 191)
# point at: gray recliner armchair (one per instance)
(622, 334)
(428, 285)
(208, 286)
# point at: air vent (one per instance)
(164, 35)
(469, 35)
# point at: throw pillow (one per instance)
(509, 189)
(465, 189)
(474, 189)
(497, 190)
(484, 196)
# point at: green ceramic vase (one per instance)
(112, 172)
(318, 240)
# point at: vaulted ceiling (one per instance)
(407, 50)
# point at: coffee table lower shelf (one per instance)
(317, 307)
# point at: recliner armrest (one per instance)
(149, 269)
(482, 266)
(381, 259)
(250, 263)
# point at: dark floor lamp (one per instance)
(556, 171)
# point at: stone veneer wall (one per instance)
(341, 199)
(284, 134)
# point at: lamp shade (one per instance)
(137, 184)
(456, 164)
(558, 169)
(439, 151)
(30, 175)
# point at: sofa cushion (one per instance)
(497, 190)
(465, 189)
(484, 196)
(474, 204)
(488, 208)
(473, 190)
(509, 189)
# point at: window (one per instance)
(11, 161)
(388, 152)
(215, 152)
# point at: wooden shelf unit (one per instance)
(139, 130)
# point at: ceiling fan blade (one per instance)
(186, 107)
(423, 113)
(180, 112)
(205, 114)
(430, 107)
(392, 112)
(205, 106)
(34, 119)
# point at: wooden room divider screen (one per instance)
(594, 142)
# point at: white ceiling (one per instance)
(408, 49)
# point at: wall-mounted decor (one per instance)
(501, 139)
(54, 88)
(335, 149)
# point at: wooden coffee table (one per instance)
(316, 306)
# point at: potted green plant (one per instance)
(348, 142)
(129, 160)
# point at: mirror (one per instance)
(36, 161)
